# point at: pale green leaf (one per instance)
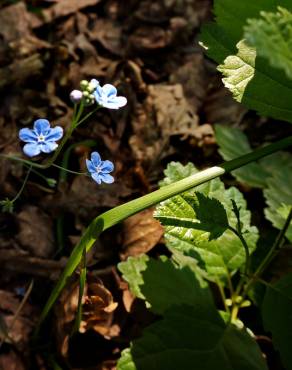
(271, 35)
(218, 257)
(185, 340)
(254, 82)
(239, 70)
(277, 317)
(131, 270)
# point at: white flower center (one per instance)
(98, 169)
(41, 138)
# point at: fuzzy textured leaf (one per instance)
(218, 257)
(271, 35)
(185, 340)
(276, 310)
(253, 81)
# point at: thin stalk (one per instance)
(270, 255)
(82, 281)
(22, 186)
(120, 213)
(245, 246)
(87, 116)
(69, 171)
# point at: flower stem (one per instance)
(270, 255)
(22, 186)
(118, 214)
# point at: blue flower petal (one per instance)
(41, 126)
(27, 135)
(94, 83)
(96, 177)
(95, 158)
(97, 93)
(54, 134)
(105, 177)
(107, 166)
(48, 147)
(31, 149)
(90, 166)
(109, 90)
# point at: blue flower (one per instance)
(106, 96)
(42, 138)
(99, 170)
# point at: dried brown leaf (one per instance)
(141, 233)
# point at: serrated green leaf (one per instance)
(208, 215)
(271, 35)
(162, 284)
(218, 257)
(268, 90)
(239, 70)
(277, 318)
(132, 272)
(184, 340)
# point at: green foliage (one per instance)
(208, 215)
(233, 143)
(182, 340)
(131, 270)
(273, 174)
(276, 311)
(271, 35)
(191, 333)
(251, 79)
(278, 195)
(163, 284)
(218, 257)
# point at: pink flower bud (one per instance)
(76, 96)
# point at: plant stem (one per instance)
(69, 171)
(22, 186)
(120, 213)
(238, 233)
(270, 255)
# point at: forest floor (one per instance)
(150, 51)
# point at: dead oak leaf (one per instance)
(141, 233)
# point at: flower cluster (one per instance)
(105, 96)
(42, 138)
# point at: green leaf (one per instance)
(131, 270)
(239, 70)
(277, 318)
(278, 195)
(209, 215)
(233, 143)
(162, 284)
(271, 35)
(253, 81)
(185, 340)
(218, 257)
